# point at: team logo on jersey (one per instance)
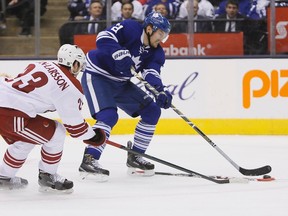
(46, 124)
(137, 61)
(142, 50)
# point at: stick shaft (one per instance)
(167, 163)
(250, 172)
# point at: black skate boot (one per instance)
(7, 183)
(49, 182)
(91, 169)
(137, 165)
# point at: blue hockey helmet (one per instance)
(157, 21)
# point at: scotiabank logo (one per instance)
(269, 83)
(281, 30)
(184, 89)
(198, 50)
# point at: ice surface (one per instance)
(162, 195)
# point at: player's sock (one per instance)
(143, 136)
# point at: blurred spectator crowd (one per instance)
(203, 16)
(247, 16)
(23, 10)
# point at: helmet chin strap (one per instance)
(148, 37)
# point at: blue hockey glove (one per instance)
(164, 99)
(123, 62)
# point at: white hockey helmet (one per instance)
(68, 54)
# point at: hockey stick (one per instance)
(265, 178)
(247, 172)
(190, 172)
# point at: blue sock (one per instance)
(143, 136)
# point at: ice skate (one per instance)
(137, 165)
(54, 183)
(7, 183)
(91, 169)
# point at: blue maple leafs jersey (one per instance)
(128, 34)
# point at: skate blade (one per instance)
(93, 177)
(49, 190)
(10, 188)
(138, 172)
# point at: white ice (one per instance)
(162, 195)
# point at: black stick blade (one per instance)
(256, 172)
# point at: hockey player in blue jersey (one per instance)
(107, 86)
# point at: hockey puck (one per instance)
(266, 177)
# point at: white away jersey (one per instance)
(46, 86)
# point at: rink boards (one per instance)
(219, 96)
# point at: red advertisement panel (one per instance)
(204, 44)
(86, 42)
(281, 28)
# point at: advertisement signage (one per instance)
(220, 96)
(204, 44)
(281, 29)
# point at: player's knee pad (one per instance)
(108, 116)
(56, 143)
(151, 114)
(20, 150)
(51, 152)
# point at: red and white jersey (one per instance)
(47, 86)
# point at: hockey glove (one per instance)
(123, 62)
(98, 139)
(164, 99)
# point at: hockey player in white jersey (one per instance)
(107, 86)
(42, 87)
